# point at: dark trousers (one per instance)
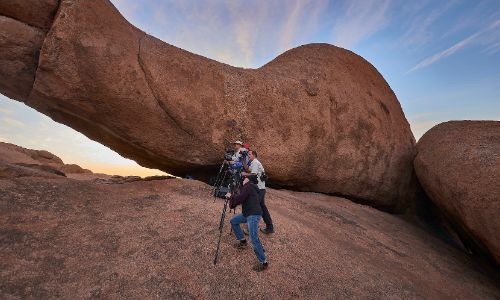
(265, 212)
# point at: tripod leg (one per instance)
(221, 227)
(218, 177)
(223, 178)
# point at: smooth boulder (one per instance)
(320, 117)
(458, 165)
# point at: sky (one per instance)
(441, 58)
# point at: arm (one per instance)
(245, 165)
(254, 169)
(241, 197)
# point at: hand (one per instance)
(231, 162)
(228, 195)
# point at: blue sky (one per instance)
(441, 58)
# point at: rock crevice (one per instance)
(161, 105)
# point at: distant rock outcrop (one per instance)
(458, 165)
(16, 161)
(321, 118)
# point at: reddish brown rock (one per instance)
(11, 153)
(37, 13)
(322, 118)
(41, 160)
(19, 48)
(74, 169)
(156, 239)
(458, 165)
(28, 170)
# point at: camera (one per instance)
(244, 153)
(263, 176)
(228, 155)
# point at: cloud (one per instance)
(436, 57)
(290, 25)
(247, 24)
(361, 19)
(6, 111)
(13, 123)
(301, 17)
(419, 31)
(492, 49)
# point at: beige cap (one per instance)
(238, 142)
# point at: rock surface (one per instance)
(36, 13)
(18, 159)
(458, 165)
(321, 117)
(65, 238)
(19, 48)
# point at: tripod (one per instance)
(220, 178)
(234, 188)
(221, 226)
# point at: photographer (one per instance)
(257, 170)
(251, 213)
(239, 154)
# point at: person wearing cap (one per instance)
(251, 214)
(256, 169)
(236, 160)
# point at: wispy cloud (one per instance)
(419, 32)
(13, 123)
(361, 19)
(436, 57)
(290, 26)
(5, 111)
(247, 28)
(302, 16)
(492, 49)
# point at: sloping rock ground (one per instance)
(145, 239)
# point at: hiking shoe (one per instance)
(241, 244)
(267, 230)
(260, 267)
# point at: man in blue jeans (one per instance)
(251, 214)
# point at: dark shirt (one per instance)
(249, 200)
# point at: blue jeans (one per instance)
(253, 231)
(266, 216)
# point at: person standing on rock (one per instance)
(257, 170)
(251, 214)
(236, 160)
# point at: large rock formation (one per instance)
(458, 165)
(321, 118)
(62, 238)
(16, 161)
